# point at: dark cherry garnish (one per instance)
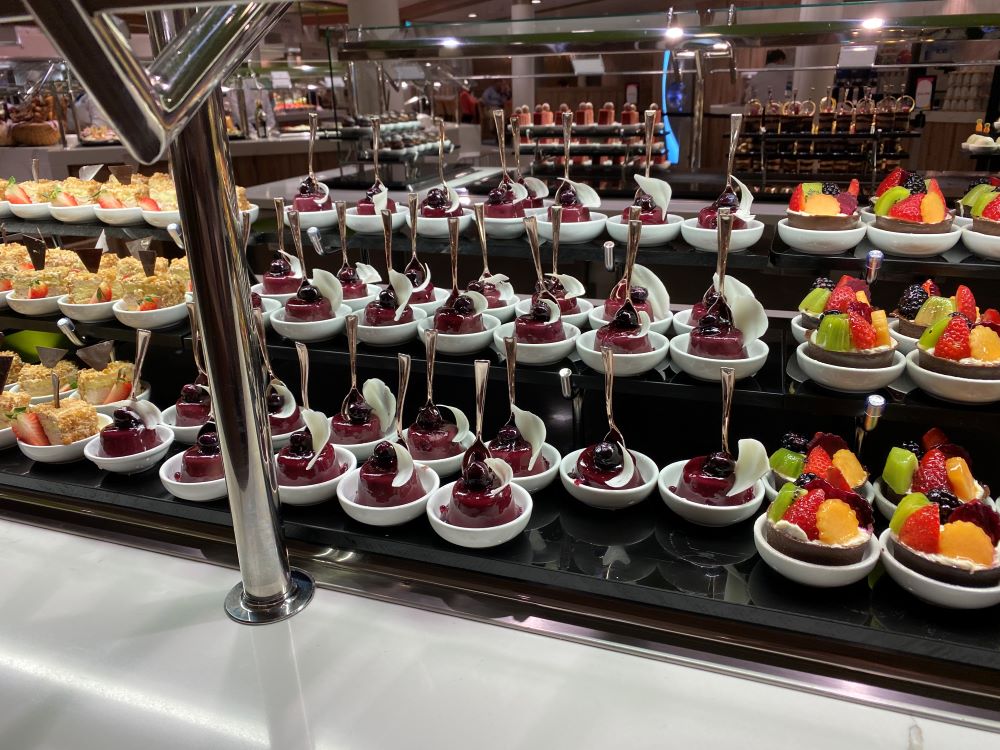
(308, 304)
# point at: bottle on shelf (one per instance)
(772, 114)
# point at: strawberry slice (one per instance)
(109, 201)
(965, 303)
(149, 303)
(797, 200)
(932, 473)
(818, 462)
(27, 428)
(148, 204)
(802, 512)
(16, 194)
(854, 188)
(922, 530)
(119, 391)
(64, 200)
(895, 177)
(38, 290)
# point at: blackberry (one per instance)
(831, 188)
(794, 442)
(915, 184)
(913, 447)
(977, 181)
(913, 298)
(946, 502)
(805, 479)
(822, 282)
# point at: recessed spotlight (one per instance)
(674, 32)
(873, 23)
(536, 2)
(473, 15)
(450, 43)
(720, 45)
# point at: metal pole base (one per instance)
(241, 610)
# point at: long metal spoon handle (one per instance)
(515, 132)
(728, 380)
(480, 210)
(567, 123)
(376, 145)
(245, 231)
(453, 239)
(352, 348)
(279, 217)
(313, 128)
(316, 239)
(556, 212)
(501, 126)
(482, 371)
(735, 125)
(55, 389)
(631, 253)
(431, 354)
(440, 126)
(725, 221)
(342, 228)
(608, 360)
(296, 226)
(142, 337)
(510, 347)
(650, 120)
(531, 227)
(404, 382)
(387, 239)
(196, 352)
(303, 354)
(258, 320)
(413, 205)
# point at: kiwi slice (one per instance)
(933, 309)
(889, 198)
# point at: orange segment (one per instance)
(820, 204)
(836, 522)
(850, 467)
(984, 344)
(965, 540)
(860, 296)
(933, 208)
(960, 479)
(881, 325)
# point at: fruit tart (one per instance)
(982, 204)
(819, 524)
(955, 346)
(934, 467)
(309, 457)
(824, 207)
(914, 206)
(956, 545)
(922, 305)
(825, 295)
(856, 337)
(826, 456)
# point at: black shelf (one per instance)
(175, 337)
(589, 131)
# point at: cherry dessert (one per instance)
(458, 315)
(127, 435)
(601, 463)
(479, 499)
(708, 480)
(312, 196)
(308, 304)
(567, 305)
(351, 283)
(625, 333)
(355, 423)
(366, 206)
(416, 272)
(500, 203)
(382, 310)
(639, 298)
(202, 462)
(281, 425)
(510, 446)
(539, 325)
(430, 437)
(377, 474)
(193, 407)
(279, 278)
(708, 217)
(489, 290)
(716, 337)
(437, 205)
(572, 209)
(293, 462)
(649, 212)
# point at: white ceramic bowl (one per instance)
(478, 538)
(445, 467)
(811, 574)
(962, 221)
(390, 335)
(867, 216)
(33, 307)
(319, 219)
(983, 245)
(280, 441)
(312, 494)
(626, 365)
(15, 388)
(573, 232)
(652, 234)
(504, 229)
(5, 209)
(282, 298)
(705, 515)
(195, 492)
(313, 330)
(372, 223)
(951, 388)
(539, 482)
(268, 307)
(932, 591)
(597, 320)
(130, 464)
(109, 409)
(74, 214)
(816, 242)
(708, 239)
(150, 319)
(705, 368)
(905, 344)
(118, 217)
(799, 330)
(440, 297)
(61, 454)
(849, 379)
(539, 354)
(506, 312)
(596, 497)
(3, 297)
(578, 319)
(31, 211)
(161, 219)
(359, 303)
(187, 435)
(461, 343)
(95, 312)
(347, 494)
(438, 227)
(909, 245)
(680, 322)
(363, 451)
(7, 438)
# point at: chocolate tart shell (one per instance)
(823, 223)
(850, 359)
(811, 552)
(894, 497)
(912, 227)
(809, 321)
(949, 367)
(907, 327)
(940, 571)
(986, 226)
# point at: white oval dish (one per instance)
(708, 239)
(390, 335)
(363, 451)
(161, 219)
(811, 574)
(596, 497)
(904, 344)
(372, 223)
(118, 217)
(313, 330)
(680, 322)
(626, 365)
(7, 438)
(319, 219)
(867, 216)
(983, 245)
(574, 232)
(463, 343)
(849, 379)
(130, 464)
(506, 312)
(799, 330)
(95, 312)
(491, 536)
(3, 298)
(596, 319)
(187, 435)
(816, 242)
(74, 214)
(195, 492)
(440, 297)
(698, 513)
(933, 591)
(539, 482)
(437, 227)
(347, 493)
(652, 234)
(31, 211)
(950, 387)
(704, 368)
(910, 245)
(5, 209)
(150, 319)
(62, 454)
(578, 319)
(33, 307)
(445, 467)
(962, 221)
(268, 307)
(15, 388)
(539, 354)
(359, 303)
(312, 494)
(504, 229)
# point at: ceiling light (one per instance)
(450, 43)
(536, 2)
(872, 23)
(473, 15)
(720, 46)
(306, 68)
(674, 32)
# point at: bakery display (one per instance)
(959, 348)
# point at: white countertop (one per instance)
(106, 647)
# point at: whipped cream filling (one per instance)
(796, 532)
(954, 562)
(856, 214)
(969, 361)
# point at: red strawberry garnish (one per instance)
(856, 284)
(797, 200)
(836, 478)
(932, 289)
(863, 334)
(109, 201)
(895, 177)
(818, 462)
(992, 315)
(64, 199)
(980, 514)
(148, 204)
(922, 530)
(38, 290)
(934, 437)
(840, 298)
(965, 303)
(861, 308)
(908, 209)
(28, 429)
(954, 342)
(994, 181)
(992, 210)
(16, 194)
(802, 512)
(854, 188)
(931, 474)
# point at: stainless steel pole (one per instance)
(206, 197)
